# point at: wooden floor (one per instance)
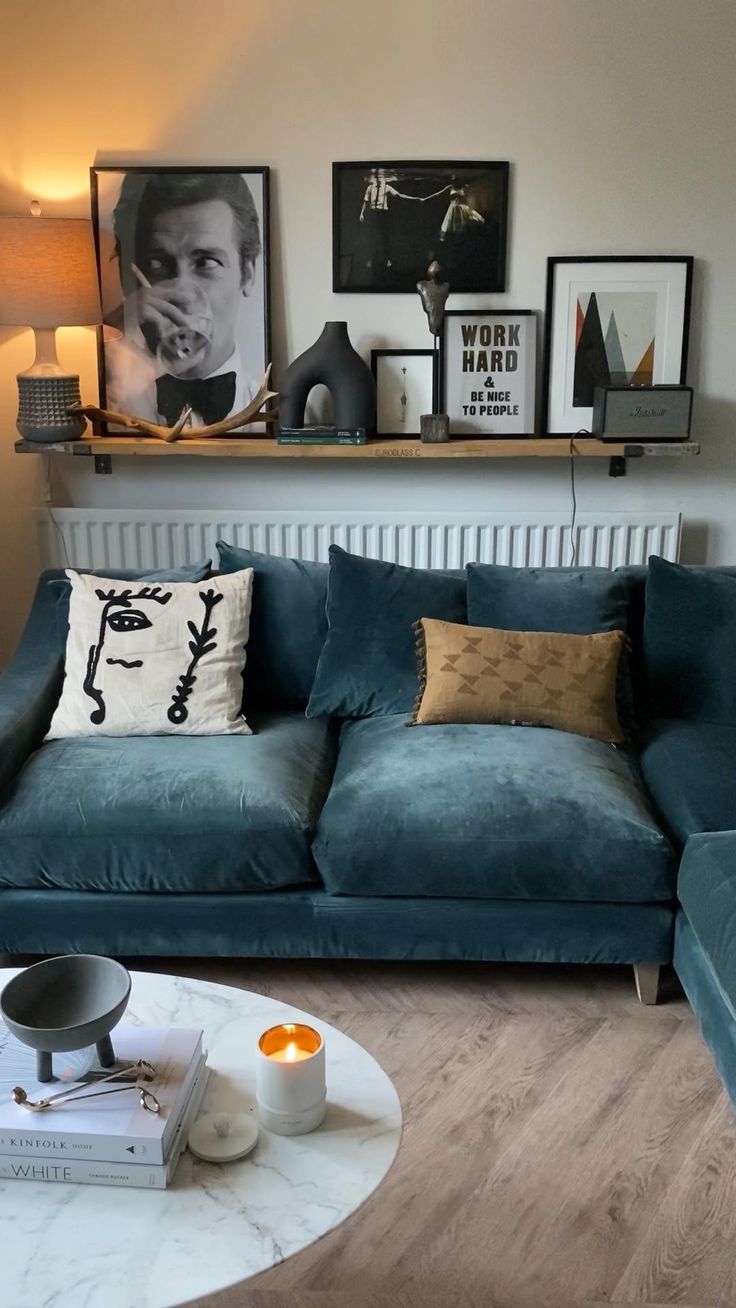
(563, 1146)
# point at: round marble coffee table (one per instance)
(85, 1246)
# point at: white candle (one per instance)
(291, 1054)
(290, 1079)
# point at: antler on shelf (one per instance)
(180, 432)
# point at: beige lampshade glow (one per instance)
(48, 275)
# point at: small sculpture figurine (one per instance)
(433, 293)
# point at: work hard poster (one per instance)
(488, 372)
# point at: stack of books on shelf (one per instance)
(109, 1141)
(322, 436)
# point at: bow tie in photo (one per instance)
(210, 397)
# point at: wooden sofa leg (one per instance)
(646, 976)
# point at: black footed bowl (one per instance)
(66, 1003)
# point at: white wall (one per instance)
(617, 120)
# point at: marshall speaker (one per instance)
(647, 413)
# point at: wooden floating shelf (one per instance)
(224, 447)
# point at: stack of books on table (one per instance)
(112, 1141)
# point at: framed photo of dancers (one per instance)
(391, 220)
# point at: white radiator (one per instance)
(124, 538)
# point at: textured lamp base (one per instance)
(42, 409)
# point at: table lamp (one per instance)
(48, 279)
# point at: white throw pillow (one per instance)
(155, 658)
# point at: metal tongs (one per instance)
(142, 1070)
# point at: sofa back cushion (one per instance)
(689, 643)
(368, 663)
(288, 624)
(572, 601)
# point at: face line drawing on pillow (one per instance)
(126, 619)
(202, 642)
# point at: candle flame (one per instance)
(290, 1052)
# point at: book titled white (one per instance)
(114, 1129)
(153, 1176)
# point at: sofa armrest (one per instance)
(31, 684)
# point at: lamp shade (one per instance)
(48, 274)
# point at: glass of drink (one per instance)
(182, 344)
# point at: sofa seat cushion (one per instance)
(492, 812)
(160, 813)
(690, 770)
(706, 889)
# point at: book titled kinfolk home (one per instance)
(81, 1171)
(115, 1131)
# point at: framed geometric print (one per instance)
(611, 320)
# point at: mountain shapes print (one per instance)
(623, 353)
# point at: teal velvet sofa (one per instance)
(331, 835)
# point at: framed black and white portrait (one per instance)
(488, 371)
(183, 257)
(405, 389)
(390, 220)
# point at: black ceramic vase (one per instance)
(330, 362)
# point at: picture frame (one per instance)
(406, 387)
(611, 319)
(390, 220)
(487, 372)
(183, 256)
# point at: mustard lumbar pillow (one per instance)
(163, 658)
(531, 678)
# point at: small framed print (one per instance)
(405, 389)
(611, 320)
(487, 371)
(183, 258)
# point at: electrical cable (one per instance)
(573, 537)
(50, 510)
(573, 493)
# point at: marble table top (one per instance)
(86, 1246)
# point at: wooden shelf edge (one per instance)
(381, 448)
